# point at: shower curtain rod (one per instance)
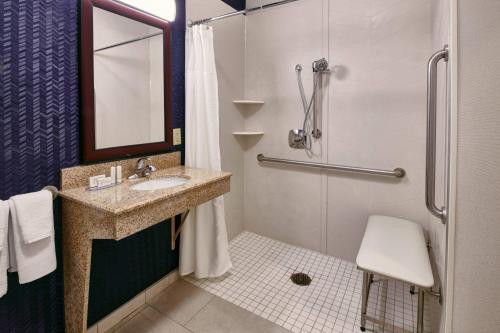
(240, 12)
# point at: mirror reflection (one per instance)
(128, 81)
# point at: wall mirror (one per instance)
(126, 81)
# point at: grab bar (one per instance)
(430, 165)
(398, 172)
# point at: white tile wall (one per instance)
(260, 282)
(282, 202)
(373, 116)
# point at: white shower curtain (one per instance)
(204, 245)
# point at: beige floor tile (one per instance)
(150, 320)
(111, 320)
(220, 316)
(181, 301)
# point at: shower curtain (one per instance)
(204, 245)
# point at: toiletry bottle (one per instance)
(119, 174)
(112, 174)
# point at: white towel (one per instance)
(31, 261)
(4, 247)
(34, 215)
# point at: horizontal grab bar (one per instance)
(398, 172)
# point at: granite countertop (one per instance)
(122, 199)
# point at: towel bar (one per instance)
(53, 190)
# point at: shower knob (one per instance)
(320, 65)
(316, 133)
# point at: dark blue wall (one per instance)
(39, 135)
(236, 4)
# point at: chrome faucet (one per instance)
(144, 168)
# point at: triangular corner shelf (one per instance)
(247, 102)
(247, 133)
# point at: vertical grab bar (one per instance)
(430, 166)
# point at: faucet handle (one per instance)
(141, 162)
(144, 168)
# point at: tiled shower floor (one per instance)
(260, 283)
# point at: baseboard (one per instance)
(136, 304)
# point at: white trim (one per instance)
(450, 233)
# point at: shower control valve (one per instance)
(297, 139)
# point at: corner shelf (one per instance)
(248, 133)
(248, 102)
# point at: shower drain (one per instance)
(301, 279)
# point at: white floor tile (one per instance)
(260, 283)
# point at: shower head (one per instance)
(320, 65)
(298, 68)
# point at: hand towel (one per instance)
(4, 247)
(34, 215)
(34, 260)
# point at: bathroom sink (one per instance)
(160, 183)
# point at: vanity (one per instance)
(126, 114)
(121, 211)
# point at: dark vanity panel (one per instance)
(121, 270)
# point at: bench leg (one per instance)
(420, 314)
(364, 299)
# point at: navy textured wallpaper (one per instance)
(39, 135)
(236, 4)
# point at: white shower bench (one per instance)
(394, 248)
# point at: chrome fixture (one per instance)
(398, 172)
(430, 166)
(129, 41)
(320, 65)
(301, 279)
(297, 139)
(240, 12)
(302, 138)
(53, 190)
(144, 168)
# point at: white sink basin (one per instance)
(159, 183)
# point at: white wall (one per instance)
(437, 230)
(374, 116)
(229, 40)
(156, 90)
(377, 114)
(440, 29)
(477, 245)
(282, 202)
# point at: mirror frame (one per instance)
(89, 153)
